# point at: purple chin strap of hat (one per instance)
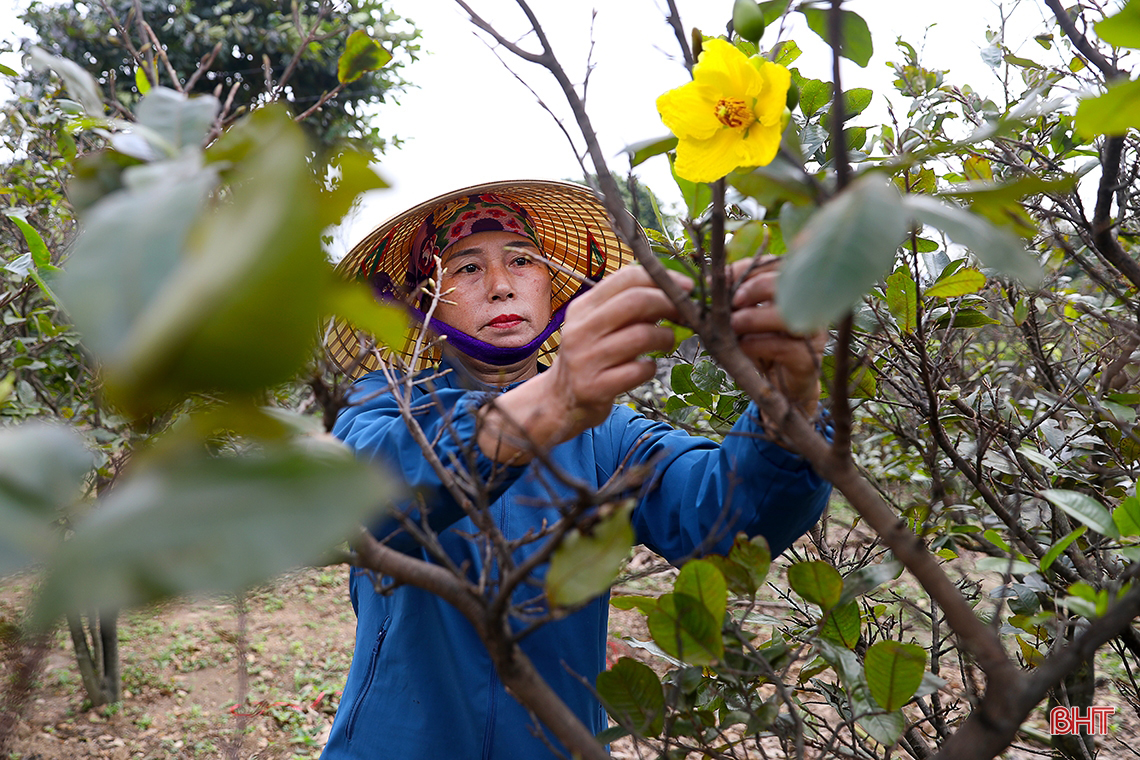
(482, 351)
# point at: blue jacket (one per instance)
(421, 684)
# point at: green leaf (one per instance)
(862, 382)
(997, 248)
(1003, 565)
(902, 299)
(855, 41)
(1084, 508)
(883, 727)
(775, 183)
(633, 695)
(1123, 28)
(709, 377)
(142, 81)
(361, 55)
(842, 625)
(643, 604)
(80, 85)
(868, 578)
(894, 672)
(753, 557)
(700, 580)
(639, 152)
(1113, 113)
(843, 250)
(42, 470)
(1126, 517)
(856, 100)
(8, 71)
(697, 195)
(684, 628)
(41, 257)
(179, 121)
(201, 524)
(1059, 547)
(680, 379)
(585, 565)
(964, 319)
(814, 95)
(962, 282)
(817, 582)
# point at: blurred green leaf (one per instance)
(862, 382)
(746, 566)
(894, 672)
(639, 152)
(80, 85)
(680, 379)
(1084, 508)
(42, 470)
(193, 523)
(361, 55)
(8, 71)
(902, 299)
(354, 302)
(633, 695)
(843, 250)
(1004, 565)
(708, 377)
(817, 582)
(643, 604)
(842, 625)
(995, 247)
(586, 564)
(855, 38)
(962, 319)
(962, 282)
(180, 121)
(1113, 113)
(1123, 28)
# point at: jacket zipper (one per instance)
(350, 729)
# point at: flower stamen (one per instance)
(732, 112)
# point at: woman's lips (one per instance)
(505, 321)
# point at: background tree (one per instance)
(245, 53)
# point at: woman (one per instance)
(510, 263)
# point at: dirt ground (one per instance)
(181, 683)
(181, 678)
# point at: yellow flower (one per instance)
(730, 115)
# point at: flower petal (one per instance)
(728, 71)
(773, 97)
(759, 146)
(689, 111)
(708, 160)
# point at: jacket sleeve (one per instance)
(374, 428)
(702, 494)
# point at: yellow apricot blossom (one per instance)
(731, 114)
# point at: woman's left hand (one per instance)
(791, 362)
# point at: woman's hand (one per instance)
(790, 361)
(605, 335)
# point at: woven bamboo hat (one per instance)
(572, 229)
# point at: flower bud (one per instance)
(793, 98)
(748, 20)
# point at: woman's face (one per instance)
(494, 289)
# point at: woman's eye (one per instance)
(468, 269)
(523, 261)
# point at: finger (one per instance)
(759, 288)
(626, 345)
(630, 277)
(625, 377)
(635, 304)
(764, 318)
